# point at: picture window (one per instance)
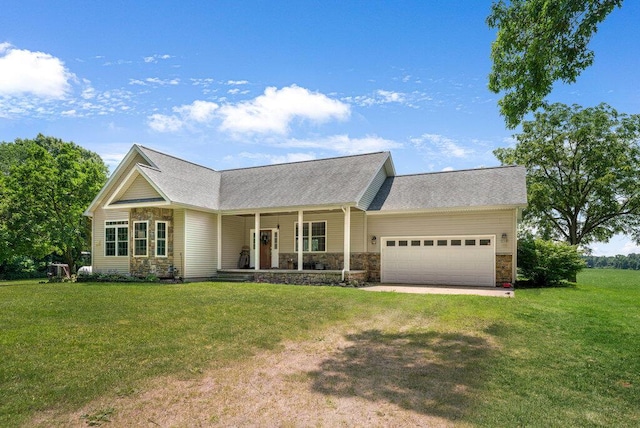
(116, 238)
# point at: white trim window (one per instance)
(317, 238)
(116, 238)
(140, 238)
(162, 227)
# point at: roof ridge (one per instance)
(303, 161)
(176, 158)
(459, 170)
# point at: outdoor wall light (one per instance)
(504, 237)
(374, 240)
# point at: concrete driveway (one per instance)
(442, 289)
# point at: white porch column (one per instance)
(219, 249)
(257, 242)
(347, 238)
(300, 240)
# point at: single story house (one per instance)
(350, 215)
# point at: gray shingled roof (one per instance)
(332, 181)
(311, 183)
(456, 189)
(181, 181)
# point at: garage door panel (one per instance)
(466, 262)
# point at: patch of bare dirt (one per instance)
(360, 376)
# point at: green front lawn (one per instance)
(549, 357)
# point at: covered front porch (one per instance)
(331, 245)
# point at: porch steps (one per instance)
(232, 277)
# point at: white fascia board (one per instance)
(137, 205)
(444, 210)
(292, 209)
(114, 177)
(194, 207)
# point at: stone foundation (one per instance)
(152, 265)
(368, 262)
(310, 278)
(504, 269)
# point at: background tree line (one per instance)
(632, 261)
(45, 186)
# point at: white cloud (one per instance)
(164, 123)
(112, 159)
(274, 111)
(380, 97)
(264, 158)
(438, 145)
(237, 82)
(154, 81)
(155, 58)
(36, 73)
(199, 111)
(343, 144)
(619, 244)
(391, 97)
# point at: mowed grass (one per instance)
(549, 357)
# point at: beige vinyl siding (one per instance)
(178, 240)
(446, 224)
(357, 231)
(200, 244)
(139, 189)
(233, 238)
(101, 263)
(373, 189)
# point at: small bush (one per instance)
(547, 263)
(115, 277)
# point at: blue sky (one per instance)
(231, 84)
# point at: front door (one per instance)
(265, 249)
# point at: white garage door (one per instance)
(445, 260)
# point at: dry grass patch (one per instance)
(365, 375)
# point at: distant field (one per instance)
(549, 357)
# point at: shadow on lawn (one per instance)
(432, 373)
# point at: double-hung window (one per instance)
(140, 238)
(116, 238)
(161, 239)
(314, 236)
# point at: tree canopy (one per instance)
(583, 170)
(45, 186)
(539, 42)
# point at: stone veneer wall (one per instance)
(309, 278)
(369, 262)
(152, 265)
(504, 265)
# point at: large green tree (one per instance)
(583, 172)
(46, 185)
(539, 42)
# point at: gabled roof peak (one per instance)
(305, 161)
(143, 148)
